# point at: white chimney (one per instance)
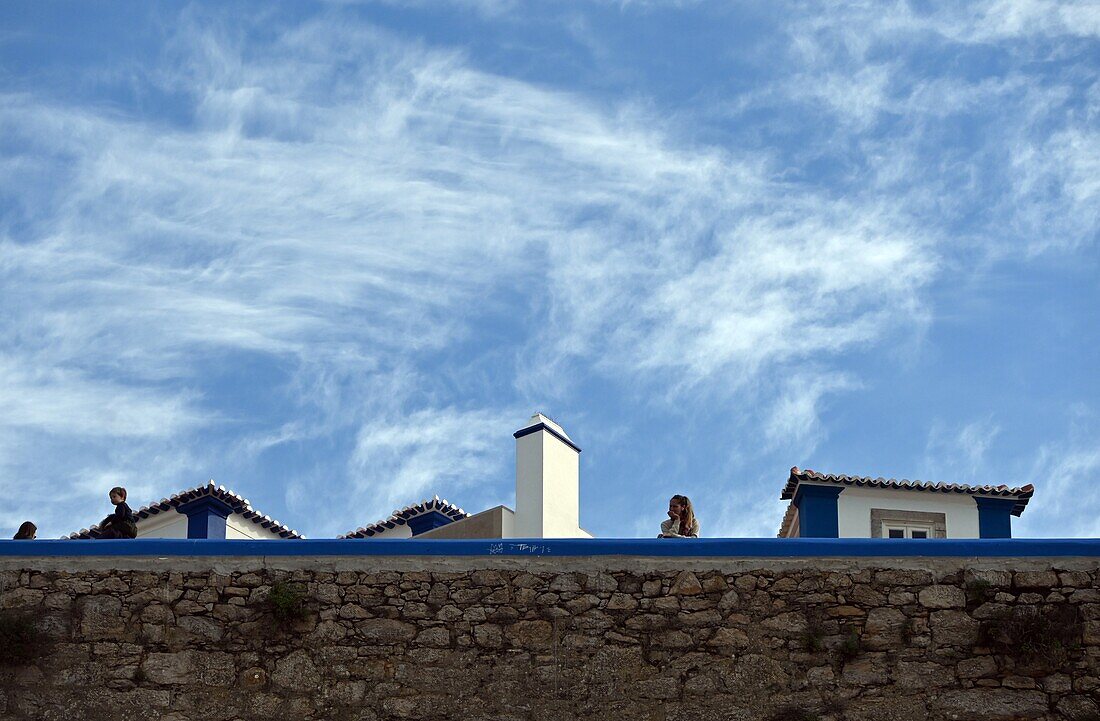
(547, 482)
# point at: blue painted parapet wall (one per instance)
(571, 547)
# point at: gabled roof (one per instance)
(402, 516)
(239, 504)
(1022, 494)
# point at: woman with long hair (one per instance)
(26, 532)
(681, 522)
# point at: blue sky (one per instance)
(332, 254)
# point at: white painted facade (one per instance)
(402, 531)
(237, 527)
(495, 522)
(854, 506)
(173, 524)
(170, 524)
(547, 483)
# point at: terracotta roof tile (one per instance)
(1022, 494)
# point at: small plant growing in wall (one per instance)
(1047, 637)
(978, 591)
(287, 602)
(908, 631)
(813, 637)
(20, 639)
(850, 647)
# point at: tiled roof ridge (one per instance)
(904, 484)
(401, 516)
(788, 520)
(239, 503)
(1021, 494)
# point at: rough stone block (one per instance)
(867, 670)
(903, 577)
(953, 628)
(994, 577)
(1035, 579)
(976, 667)
(436, 637)
(991, 704)
(1078, 708)
(296, 671)
(923, 674)
(729, 637)
(883, 628)
(686, 584)
(202, 627)
(530, 634)
(1075, 579)
(942, 597)
(101, 618)
(622, 602)
(672, 639)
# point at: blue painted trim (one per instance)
(995, 517)
(818, 516)
(543, 427)
(206, 517)
(570, 547)
(428, 521)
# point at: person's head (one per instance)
(118, 495)
(26, 531)
(681, 506)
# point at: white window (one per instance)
(906, 530)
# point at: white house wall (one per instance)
(854, 509)
(170, 524)
(395, 532)
(237, 528)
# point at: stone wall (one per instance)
(553, 638)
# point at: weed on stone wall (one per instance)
(287, 602)
(21, 641)
(813, 637)
(850, 647)
(978, 592)
(1046, 637)
(908, 631)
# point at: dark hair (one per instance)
(119, 490)
(687, 513)
(26, 531)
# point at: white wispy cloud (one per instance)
(863, 65)
(795, 416)
(959, 454)
(440, 450)
(1065, 503)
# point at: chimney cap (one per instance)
(540, 421)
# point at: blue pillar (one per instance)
(817, 511)
(428, 521)
(995, 517)
(206, 517)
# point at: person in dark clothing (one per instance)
(26, 532)
(121, 523)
